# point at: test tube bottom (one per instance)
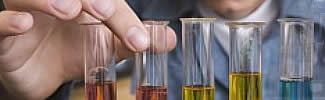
(151, 93)
(296, 89)
(198, 93)
(105, 90)
(245, 86)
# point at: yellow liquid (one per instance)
(198, 93)
(245, 86)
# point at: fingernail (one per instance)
(21, 21)
(64, 6)
(138, 39)
(105, 8)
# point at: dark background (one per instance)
(1, 5)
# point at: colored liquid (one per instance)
(245, 86)
(296, 89)
(151, 93)
(198, 93)
(101, 91)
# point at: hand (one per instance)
(40, 47)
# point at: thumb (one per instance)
(14, 23)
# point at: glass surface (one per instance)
(151, 65)
(297, 45)
(297, 37)
(197, 65)
(245, 79)
(99, 61)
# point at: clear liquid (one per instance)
(296, 89)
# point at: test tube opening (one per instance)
(153, 22)
(301, 20)
(184, 20)
(247, 24)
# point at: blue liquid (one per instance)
(296, 89)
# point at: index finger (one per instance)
(63, 9)
(128, 27)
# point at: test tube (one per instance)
(245, 79)
(296, 63)
(99, 61)
(151, 65)
(198, 81)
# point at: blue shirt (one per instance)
(173, 9)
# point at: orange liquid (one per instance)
(101, 91)
(151, 93)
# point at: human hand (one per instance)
(41, 50)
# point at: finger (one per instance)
(63, 9)
(127, 26)
(101, 9)
(125, 23)
(14, 23)
(171, 39)
(123, 52)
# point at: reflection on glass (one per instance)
(151, 65)
(99, 61)
(297, 37)
(245, 79)
(198, 71)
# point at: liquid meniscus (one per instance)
(151, 93)
(198, 93)
(105, 90)
(245, 86)
(296, 89)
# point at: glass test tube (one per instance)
(151, 65)
(99, 61)
(297, 36)
(245, 79)
(198, 70)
